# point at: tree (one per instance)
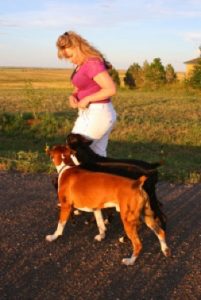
(133, 77)
(136, 70)
(155, 74)
(170, 74)
(115, 76)
(129, 80)
(145, 70)
(195, 78)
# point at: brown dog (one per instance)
(91, 191)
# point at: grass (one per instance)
(152, 125)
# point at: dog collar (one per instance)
(61, 170)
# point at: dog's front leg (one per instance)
(64, 216)
(101, 225)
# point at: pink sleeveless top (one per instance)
(82, 79)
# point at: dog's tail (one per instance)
(139, 182)
(142, 179)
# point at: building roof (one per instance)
(193, 61)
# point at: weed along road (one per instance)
(78, 267)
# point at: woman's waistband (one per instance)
(101, 101)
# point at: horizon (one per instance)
(59, 68)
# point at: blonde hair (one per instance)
(71, 39)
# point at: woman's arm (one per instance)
(73, 99)
(108, 89)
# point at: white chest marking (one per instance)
(75, 160)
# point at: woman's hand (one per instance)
(83, 103)
(73, 101)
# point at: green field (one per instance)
(164, 124)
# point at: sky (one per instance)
(125, 31)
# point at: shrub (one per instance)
(170, 74)
(155, 73)
(11, 123)
(133, 77)
(195, 77)
(115, 76)
(129, 80)
(30, 162)
(151, 75)
(32, 99)
(47, 126)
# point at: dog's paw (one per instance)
(106, 222)
(51, 237)
(121, 239)
(77, 212)
(129, 261)
(99, 237)
(167, 252)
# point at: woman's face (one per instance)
(73, 55)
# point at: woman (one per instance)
(93, 90)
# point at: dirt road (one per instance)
(78, 267)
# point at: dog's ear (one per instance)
(84, 140)
(75, 139)
(66, 155)
(66, 151)
(71, 140)
(88, 142)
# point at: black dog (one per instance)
(130, 168)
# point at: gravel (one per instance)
(78, 267)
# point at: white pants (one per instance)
(96, 123)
